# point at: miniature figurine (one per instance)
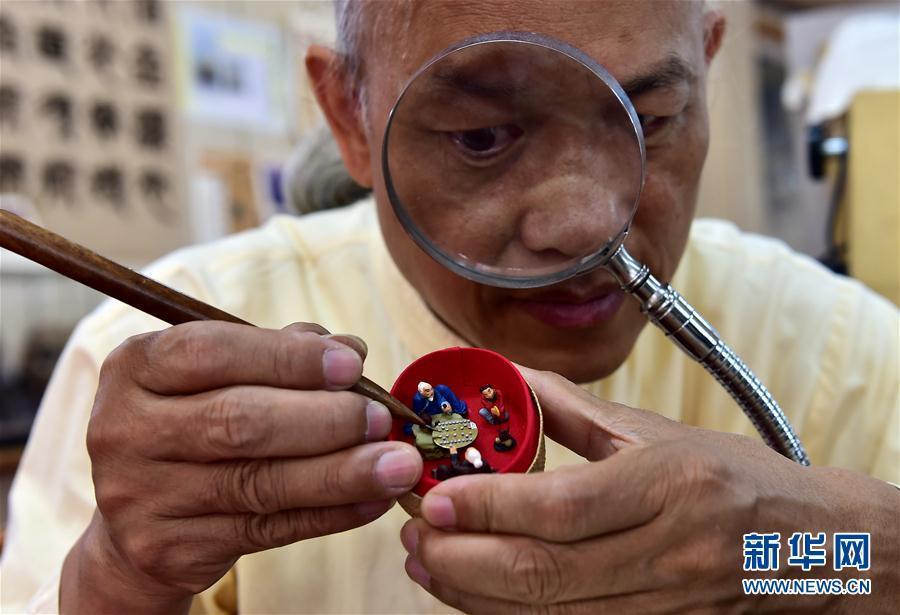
(492, 409)
(448, 425)
(428, 400)
(504, 442)
(472, 464)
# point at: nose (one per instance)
(578, 208)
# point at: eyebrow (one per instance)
(671, 71)
(491, 89)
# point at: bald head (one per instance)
(367, 29)
(659, 49)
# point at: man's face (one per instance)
(488, 392)
(427, 391)
(583, 328)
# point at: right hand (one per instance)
(211, 440)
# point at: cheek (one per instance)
(663, 220)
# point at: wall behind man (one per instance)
(732, 184)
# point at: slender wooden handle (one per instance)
(130, 287)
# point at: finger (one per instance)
(256, 422)
(462, 600)
(265, 486)
(356, 343)
(235, 535)
(565, 505)
(201, 356)
(644, 602)
(303, 327)
(590, 426)
(533, 571)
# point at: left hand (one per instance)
(655, 523)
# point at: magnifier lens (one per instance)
(514, 163)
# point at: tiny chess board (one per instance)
(458, 433)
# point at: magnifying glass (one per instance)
(516, 160)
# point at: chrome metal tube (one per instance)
(669, 311)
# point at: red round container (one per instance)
(465, 371)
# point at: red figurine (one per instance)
(492, 409)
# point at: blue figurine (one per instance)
(428, 401)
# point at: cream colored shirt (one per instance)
(826, 346)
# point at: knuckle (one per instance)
(286, 361)
(97, 439)
(186, 347)
(113, 497)
(171, 559)
(308, 523)
(106, 436)
(333, 479)
(123, 355)
(261, 532)
(116, 424)
(306, 327)
(135, 351)
(535, 574)
(702, 473)
(282, 361)
(345, 414)
(231, 425)
(145, 552)
(252, 486)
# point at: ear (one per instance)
(713, 34)
(339, 104)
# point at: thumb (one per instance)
(355, 343)
(592, 427)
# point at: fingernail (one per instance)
(438, 510)
(350, 340)
(378, 421)
(342, 366)
(409, 537)
(372, 510)
(417, 572)
(398, 469)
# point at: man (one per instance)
(209, 441)
(435, 405)
(492, 408)
(430, 400)
(472, 463)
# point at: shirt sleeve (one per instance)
(52, 497)
(862, 376)
(51, 501)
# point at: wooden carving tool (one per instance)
(140, 292)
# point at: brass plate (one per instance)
(458, 433)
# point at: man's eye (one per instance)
(652, 123)
(485, 142)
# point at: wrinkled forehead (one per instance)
(622, 35)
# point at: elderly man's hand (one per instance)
(212, 440)
(654, 523)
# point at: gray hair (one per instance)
(348, 19)
(359, 23)
(315, 178)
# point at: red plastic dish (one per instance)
(465, 371)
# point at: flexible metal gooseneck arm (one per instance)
(689, 330)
